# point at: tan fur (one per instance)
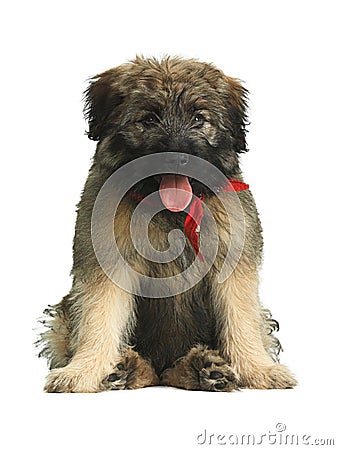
(106, 314)
(57, 337)
(241, 329)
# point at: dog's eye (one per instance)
(199, 120)
(149, 120)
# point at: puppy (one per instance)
(179, 125)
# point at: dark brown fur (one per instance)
(217, 335)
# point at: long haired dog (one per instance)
(209, 334)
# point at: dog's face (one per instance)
(173, 105)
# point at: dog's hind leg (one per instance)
(242, 331)
(55, 341)
(103, 315)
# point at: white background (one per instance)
(285, 51)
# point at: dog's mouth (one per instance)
(175, 192)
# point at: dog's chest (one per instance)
(167, 328)
(159, 243)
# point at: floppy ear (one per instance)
(101, 98)
(237, 105)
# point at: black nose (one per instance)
(175, 161)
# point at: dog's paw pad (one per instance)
(220, 386)
(113, 377)
(215, 375)
(221, 379)
(131, 372)
(117, 379)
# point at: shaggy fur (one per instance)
(215, 336)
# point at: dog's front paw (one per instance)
(132, 372)
(118, 379)
(67, 379)
(217, 378)
(201, 369)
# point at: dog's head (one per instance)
(174, 105)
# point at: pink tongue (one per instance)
(175, 192)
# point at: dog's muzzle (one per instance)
(175, 162)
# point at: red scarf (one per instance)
(195, 214)
(192, 226)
